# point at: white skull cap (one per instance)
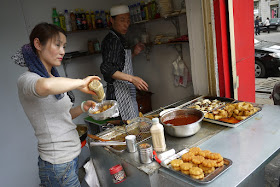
(119, 9)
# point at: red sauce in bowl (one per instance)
(182, 120)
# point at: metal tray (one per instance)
(227, 100)
(207, 179)
(132, 128)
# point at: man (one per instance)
(257, 26)
(117, 65)
(266, 23)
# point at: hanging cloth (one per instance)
(125, 91)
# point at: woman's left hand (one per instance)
(89, 104)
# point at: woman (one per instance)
(42, 95)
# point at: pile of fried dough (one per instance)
(198, 163)
(102, 109)
(239, 111)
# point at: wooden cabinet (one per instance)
(144, 100)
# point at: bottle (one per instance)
(149, 5)
(78, 19)
(153, 9)
(93, 19)
(98, 20)
(146, 10)
(142, 8)
(67, 21)
(103, 17)
(134, 10)
(62, 21)
(158, 139)
(107, 14)
(55, 17)
(138, 11)
(73, 21)
(84, 20)
(131, 13)
(89, 22)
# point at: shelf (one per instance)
(77, 54)
(172, 43)
(161, 18)
(81, 31)
(140, 22)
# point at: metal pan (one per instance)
(225, 100)
(207, 179)
(82, 131)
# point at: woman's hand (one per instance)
(139, 83)
(84, 88)
(89, 104)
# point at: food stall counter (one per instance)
(250, 146)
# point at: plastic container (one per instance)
(157, 132)
(97, 87)
(117, 173)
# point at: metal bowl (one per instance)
(182, 130)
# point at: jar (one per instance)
(117, 173)
(146, 153)
(96, 46)
(90, 47)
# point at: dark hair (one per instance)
(44, 31)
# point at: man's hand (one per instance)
(139, 83)
(138, 48)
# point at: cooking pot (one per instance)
(82, 131)
(185, 129)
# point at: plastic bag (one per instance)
(180, 72)
(91, 176)
(109, 113)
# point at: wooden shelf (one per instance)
(140, 22)
(78, 54)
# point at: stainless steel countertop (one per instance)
(207, 131)
(249, 146)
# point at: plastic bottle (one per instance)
(93, 19)
(62, 21)
(55, 17)
(134, 9)
(67, 21)
(142, 8)
(153, 9)
(84, 20)
(107, 14)
(73, 21)
(157, 132)
(146, 10)
(131, 13)
(78, 19)
(103, 17)
(98, 20)
(89, 22)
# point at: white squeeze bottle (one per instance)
(157, 132)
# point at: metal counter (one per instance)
(250, 146)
